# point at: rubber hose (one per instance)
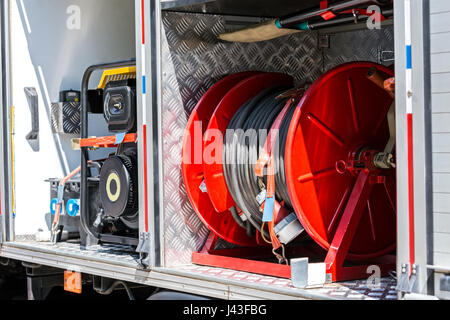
(242, 146)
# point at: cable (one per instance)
(114, 285)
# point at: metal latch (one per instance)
(385, 56)
(405, 282)
(143, 248)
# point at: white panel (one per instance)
(441, 202)
(441, 162)
(442, 222)
(441, 102)
(439, 22)
(441, 182)
(440, 62)
(441, 242)
(439, 82)
(441, 142)
(441, 259)
(437, 6)
(440, 42)
(441, 123)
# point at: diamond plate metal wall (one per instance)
(364, 45)
(192, 61)
(66, 117)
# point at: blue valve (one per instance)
(73, 207)
(53, 204)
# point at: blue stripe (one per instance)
(143, 85)
(408, 57)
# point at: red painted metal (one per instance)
(240, 264)
(143, 21)
(247, 259)
(412, 250)
(341, 113)
(144, 132)
(232, 101)
(220, 223)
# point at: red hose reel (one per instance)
(342, 200)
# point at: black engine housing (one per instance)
(119, 186)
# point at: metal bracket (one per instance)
(405, 282)
(143, 248)
(385, 56)
(324, 41)
(33, 136)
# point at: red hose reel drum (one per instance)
(341, 113)
(223, 223)
(214, 111)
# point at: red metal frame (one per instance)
(238, 258)
(331, 144)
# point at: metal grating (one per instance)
(193, 60)
(110, 253)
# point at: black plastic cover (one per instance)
(119, 105)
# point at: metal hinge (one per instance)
(406, 283)
(143, 249)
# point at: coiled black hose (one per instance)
(245, 138)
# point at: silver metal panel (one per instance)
(440, 103)
(441, 161)
(440, 43)
(440, 142)
(441, 242)
(439, 21)
(108, 253)
(441, 183)
(351, 290)
(439, 62)
(439, 82)
(7, 184)
(361, 45)
(213, 283)
(2, 135)
(442, 259)
(422, 149)
(193, 60)
(401, 146)
(440, 202)
(437, 6)
(66, 117)
(442, 222)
